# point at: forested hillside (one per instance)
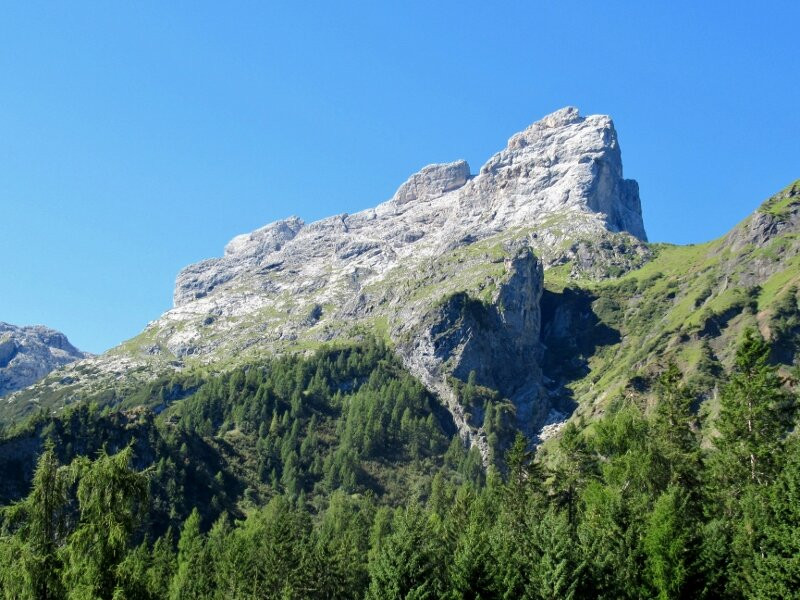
(338, 476)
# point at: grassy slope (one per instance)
(688, 304)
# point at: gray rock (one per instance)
(433, 181)
(29, 353)
(498, 341)
(246, 250)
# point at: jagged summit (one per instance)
(566, 162)
(562, 166)
(29, 353)
(563, 116)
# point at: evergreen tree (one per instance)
(674, 427)
(111, 496)
(754, 418)
(407, 566)
(342, 543)
(162, 567)
(777, 562)
(558, 572)
(465, 535)
(668, 541)
(610, 539)
(132, 575)
(574, 469)
(194, 576)
(525, 476)
(270, 555)
(31, 562)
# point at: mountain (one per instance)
(29, 353)
(449, 271)
(491, 385)
(532, 281)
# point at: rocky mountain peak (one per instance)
(565, 162)
(29, 353)
(448, 259)
(563, 116)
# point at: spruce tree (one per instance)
(31, 564)
(111, 498)
(777, 565)
(194, 574)
(558, 572)
(408, 563)
(674, 427)
(755, 415)
(668, 540)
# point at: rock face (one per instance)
(565, 167)
(29, 353)
(566, 163)
(496, 342)
(449, 270)
(243, 251)
(433, 181)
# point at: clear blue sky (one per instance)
(140, 137)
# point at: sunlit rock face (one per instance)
(29, 353)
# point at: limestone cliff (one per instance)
(449, 270)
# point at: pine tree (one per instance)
(525, 475)
(673, 442)
(472, 569)
(407, 566)
(753, 421)
(573, 470)
(132, 575)
(270, 555)
(521, 497)
(111, 495)
(667, 542)
(558, 571)
(342, 542)
(777, 565)
(162, 567)
(31, 563)
(194, 574)
(754, 416)
(610, 538)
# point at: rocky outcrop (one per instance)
(778, 215)
(496, 341)
(433, 181)
(566, 162)
(759, 247)
(242, 252)
(29, 353)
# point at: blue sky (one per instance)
(136, 138)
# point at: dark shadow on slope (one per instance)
(571, 333)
